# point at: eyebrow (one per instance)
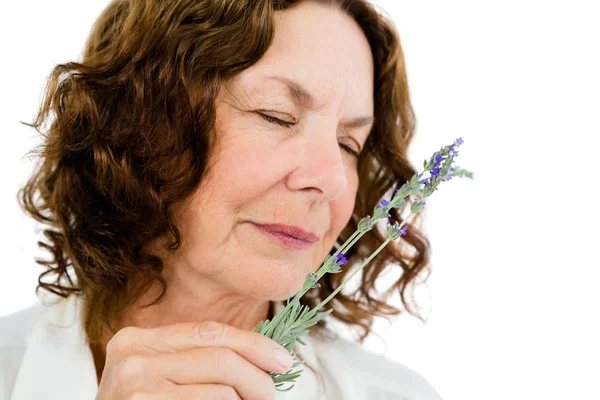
(302, 97)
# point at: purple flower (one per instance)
(454, 152)
(403, 231)
(438, 159)
(448, 177)
(342, 259)
(425, 181)
(384, 202)
(452, 169)
(458, 141)
(435, 171)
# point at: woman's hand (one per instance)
(207, 360)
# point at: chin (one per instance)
(273, 281)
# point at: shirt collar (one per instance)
(57, 363)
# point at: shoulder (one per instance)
(15, 330)
(15, 327)
(382, 377)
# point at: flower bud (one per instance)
(417, 206)
(415, 190)
(380, 211)
(445, 169)
(341, 259)
(432, 162)
(366, 224)
(414, 180)
(427, 191)
(310, 279)
(402, 192)
(334, 268)
(394, 231)
(398, 203)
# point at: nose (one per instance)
(320, 168)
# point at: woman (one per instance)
(204, 157)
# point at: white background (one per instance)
(511, 303)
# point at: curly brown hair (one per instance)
(132, 134)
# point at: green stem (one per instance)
(347, 244)
(314, 310)
(322, 271)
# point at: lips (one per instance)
(290, 230)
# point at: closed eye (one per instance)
(288, 125)
(277, 121)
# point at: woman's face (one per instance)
(264, 173)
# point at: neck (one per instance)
(188, 299)
(205, 301)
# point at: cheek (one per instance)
(247, 160)
(341, 211)
(238, 175)
(346, 202)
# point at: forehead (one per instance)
(322, 64)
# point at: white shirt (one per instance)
(44, 356)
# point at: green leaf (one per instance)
(278, 331)
(286, 390)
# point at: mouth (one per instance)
(291, 237)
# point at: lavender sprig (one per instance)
(292, 323)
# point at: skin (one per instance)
(226, 270)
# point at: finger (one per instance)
(256, 348)
(213, 365)
(202, 391)
(124, 343)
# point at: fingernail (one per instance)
(283, 358)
